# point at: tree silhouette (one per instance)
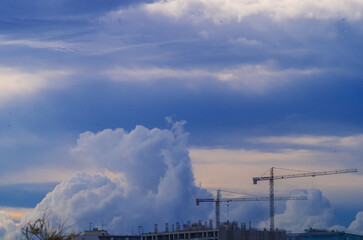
(44, 228)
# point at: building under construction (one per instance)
(225, 231)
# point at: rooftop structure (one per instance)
(92, 234)
(323, 234)
(96, 234)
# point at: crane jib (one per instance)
(251, 199)
(308, 174)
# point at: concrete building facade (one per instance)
(225, 231)
(97, 234)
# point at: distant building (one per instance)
(96, 234)
(322, 234)
(93, 234)
(225, 231)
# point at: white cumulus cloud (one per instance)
(316, 212)
(357, 225)
(8, 228)
(147, 179)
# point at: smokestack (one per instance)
(156, 228)
(177, 226)
(210, 224)
(166, 227)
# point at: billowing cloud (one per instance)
(316, 212)
(8, 228)
(357, 225)
(147, 179)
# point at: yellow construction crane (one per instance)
(271, 179)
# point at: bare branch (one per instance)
(45, 228)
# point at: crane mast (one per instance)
(218, 200)
(271, 179)
(218, 207)
(272, 202)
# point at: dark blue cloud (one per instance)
(311, 106)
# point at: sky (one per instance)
(121, 97)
